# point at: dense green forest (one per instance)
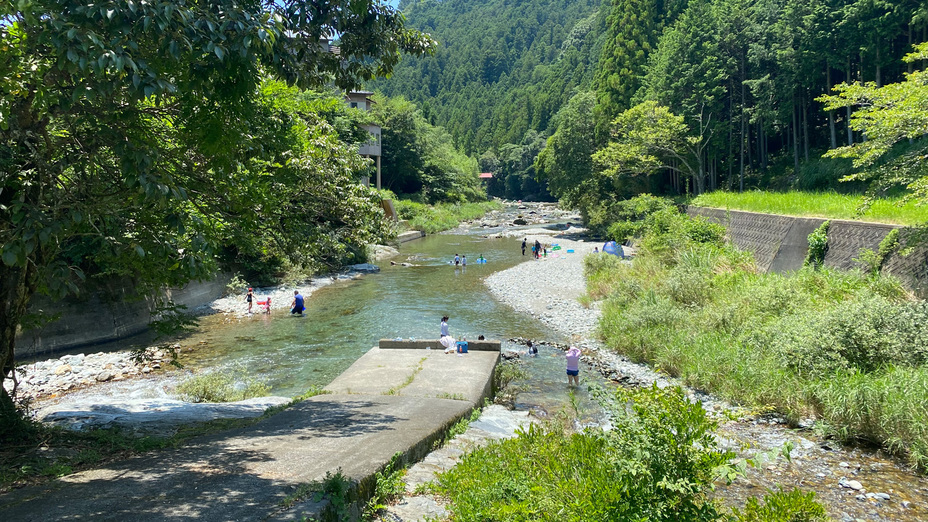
(741, 80)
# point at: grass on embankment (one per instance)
(848, 348)
(830, 205)
(441, 216)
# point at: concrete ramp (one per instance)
(390, 401)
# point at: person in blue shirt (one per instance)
(296, 307)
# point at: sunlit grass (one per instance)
(829, 205)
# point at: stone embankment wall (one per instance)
(106, 316)
(780, 243)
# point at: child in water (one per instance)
(573, 366)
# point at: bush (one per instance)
(792, 506)
(222, 386)
(656, 464)
(623, 220)
(818, 245)
(865, 334)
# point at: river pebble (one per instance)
(53, 377)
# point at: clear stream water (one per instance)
(344, 320)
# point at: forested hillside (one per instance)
(733, 88)
(503, 67)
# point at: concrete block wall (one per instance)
(104, 317)
(780, 243)
(420, 344)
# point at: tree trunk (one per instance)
(850, 131)
(764, 152)
(831, 114)
(795, 139)
(879, 78)
(16, 285)
(805, 127)
(760, 145)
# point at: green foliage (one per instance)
(389, 487)
(503, 69)
(625, 218)
(888, 115)
(822, 343)
(831, 205)
(782, 506)
(818, 246)
(421, 158)
(873, 261)
(507, 372)
(229, 385)
(565, 162)
(866, 334)
(435, 218)
(657, 466)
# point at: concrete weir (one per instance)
(397, 398)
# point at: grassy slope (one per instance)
(829, 205)
(820, 343)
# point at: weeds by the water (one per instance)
(847, 347)
(829, 205)
(228, 385)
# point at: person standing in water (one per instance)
(573, 366)
(457, 260)
(249, 297)
(464, 260)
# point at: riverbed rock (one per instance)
(104, 376)
(150, 416)
(365, 267)
(63, 369)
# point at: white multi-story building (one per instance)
(371, 149)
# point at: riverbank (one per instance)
(853, 483)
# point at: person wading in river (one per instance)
(573, 366)
(296, 307)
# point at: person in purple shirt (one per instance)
(573, 366)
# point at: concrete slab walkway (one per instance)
(390, 401)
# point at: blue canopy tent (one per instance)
(611, 247)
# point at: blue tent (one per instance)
(611, 247)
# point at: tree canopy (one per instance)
(135, 137)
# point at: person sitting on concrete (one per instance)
(446, 340)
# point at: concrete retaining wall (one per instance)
(105, 317)
(780, 243)
(408, 344)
